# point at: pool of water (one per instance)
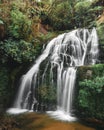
(34, 121)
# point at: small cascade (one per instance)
(62, 56)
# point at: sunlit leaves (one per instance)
(20, 24)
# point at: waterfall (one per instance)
(63, 54)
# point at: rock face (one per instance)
(101, 55)
(2, 31)
(101, 19)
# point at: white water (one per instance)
(64, 53)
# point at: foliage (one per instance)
(61, 16)
(24, 15)
(100, 30)
(83, 5)
(98, 70)
(18, 51)
(20, 25)
(21, 19)
(91, 91)
(96, 84)
(83, 16)
(46, 38)
(80, 13)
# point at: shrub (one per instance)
(61, 16)
(18, 51)
(20, 26)
(90, 93)
(83, 15)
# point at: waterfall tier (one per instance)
(62, 56)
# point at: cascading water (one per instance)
(63, 54)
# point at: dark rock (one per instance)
(101, 53)
(2, 31)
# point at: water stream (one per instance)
(63, 54)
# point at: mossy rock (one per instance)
(90, 71)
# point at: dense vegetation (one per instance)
(91, 91)
(27, 25)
